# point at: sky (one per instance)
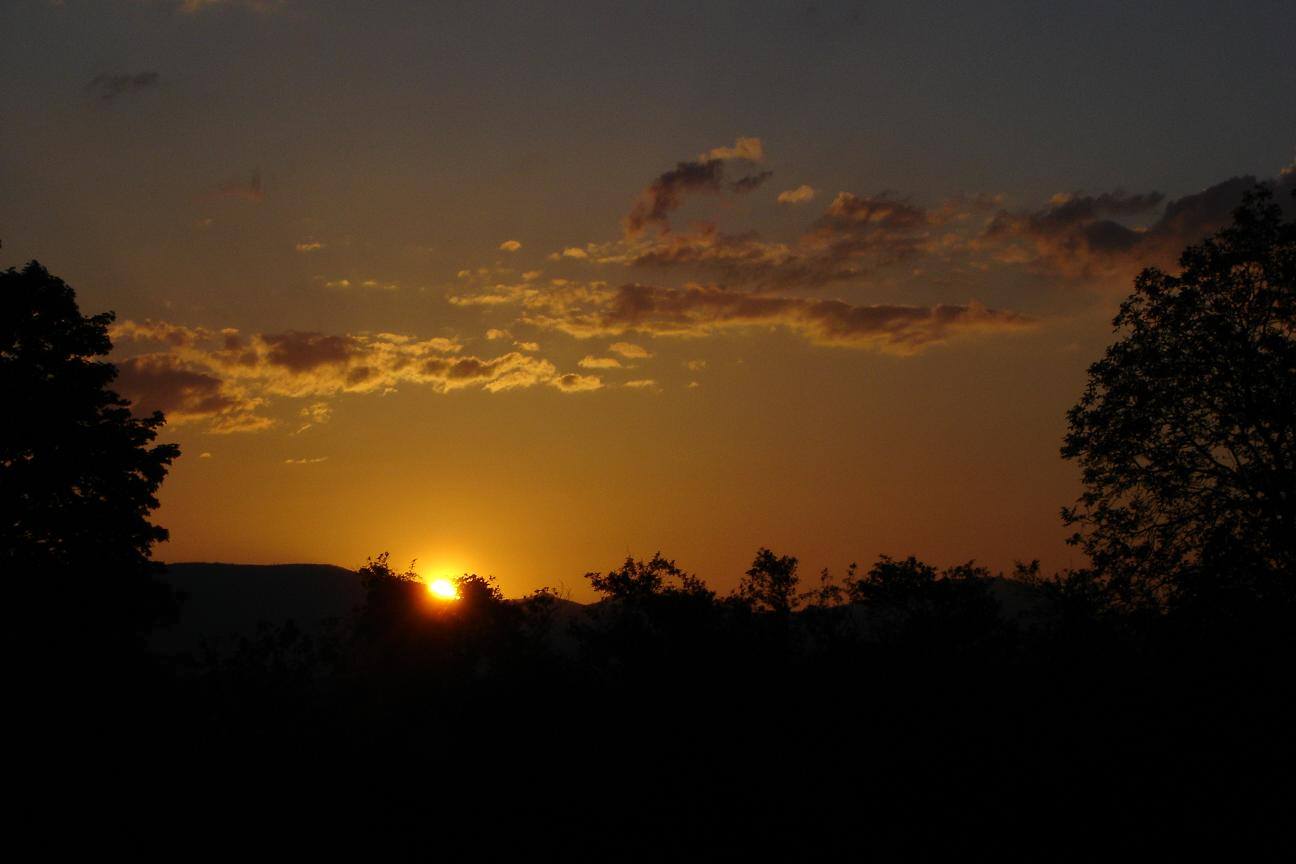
(523, 289)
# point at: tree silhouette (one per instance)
(640, 580)
(1186, 432)
(912, 600)
(78, 473)
(770, 585)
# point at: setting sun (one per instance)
(443, 589)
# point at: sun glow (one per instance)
(443, 589)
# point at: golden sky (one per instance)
(521, 293)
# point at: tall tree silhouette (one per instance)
(1186, 432)
(78, 473)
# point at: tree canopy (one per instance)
(79, 473)
(1186, 432)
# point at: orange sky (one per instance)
(514, 297)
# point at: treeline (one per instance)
(901, 709)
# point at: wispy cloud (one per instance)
(706, 174)
(110, 86)
(594, 309)
(249, 190)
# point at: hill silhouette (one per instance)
(220, 603)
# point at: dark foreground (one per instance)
(672, 724)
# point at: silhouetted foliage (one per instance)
(79, 474)
(639, 580)
(1186, 433)
(911, 600)
(770, 584)
(829, 593)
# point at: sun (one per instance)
(443, 589)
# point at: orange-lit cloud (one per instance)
(227, 379)
(750, 149)
(510, 246)
(591, 362)
(696, 311)
(629, 350)
(800, 195)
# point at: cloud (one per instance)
(1074, 237)
(750, 149)
(751, 182)
(629, 350)
(1082, 236)
(108, 87)
(695, 365)
(641, 384)
(226, 378)
(309, 246)
(193, 7)
(855, 236)
(249, 191)
(591, 362)
(800, 195)
(570, 252)
(204, 455)
(494, 334)
(148, 330)
(317, 412)
(572, 383)
(163, 382)
(696, 311)
(314, 461)
(528, 346)
(666, 194)
(510, 246)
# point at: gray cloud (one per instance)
(705, 174)
(109, 86)
(697, 311)
(1079, 236)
